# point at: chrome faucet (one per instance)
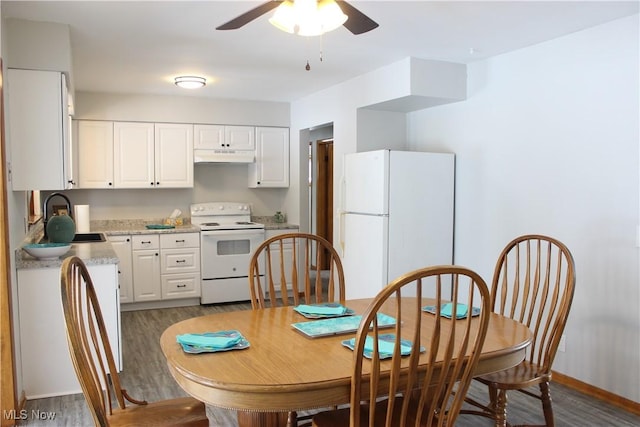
(45, 209)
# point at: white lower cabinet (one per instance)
(146, 268)
(180, 265)
(46, 365)
(165, 266)
(122, 247)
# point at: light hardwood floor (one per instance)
(145, 376)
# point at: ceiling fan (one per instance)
(357, 21)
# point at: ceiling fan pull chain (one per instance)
(307, 67)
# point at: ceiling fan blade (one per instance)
(358, 22)
(249, 16)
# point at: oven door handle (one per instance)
(233, 233)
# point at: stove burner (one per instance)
(210, 224)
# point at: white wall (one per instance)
(548, 142)
(355, 108)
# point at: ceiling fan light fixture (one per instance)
(330, 14)
(284, 17)
(190, 82)
(308, 17)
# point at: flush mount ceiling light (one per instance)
(308, 17)
(190, 82)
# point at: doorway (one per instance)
(324, 193)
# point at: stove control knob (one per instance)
(221, 207)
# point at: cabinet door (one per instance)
(146, 275)
(176, 286)
(37, 129)
(122, 246)
(44, 355)
(271, 168)
(173, 155)
(133, 152)
(185, 260)
(239, 137)
(208, 137)
(95, 154)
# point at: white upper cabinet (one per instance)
(208, 137)
(95, 154)
(173, 155)
(221, 137)
(38, 130)
(271, 168)
(239, 137)
(133, 155)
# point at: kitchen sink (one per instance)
(85, 238)
(88, 238)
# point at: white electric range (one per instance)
(228, 239)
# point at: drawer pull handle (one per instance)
(181, 286)
(180, 241)
(178, 261)
(146, 243)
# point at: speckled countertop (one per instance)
(91, 253)
(270, 224)
(137, 226)
(102, 252)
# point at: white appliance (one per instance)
(398, 210)
(228, 239)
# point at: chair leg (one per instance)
(292, 419)
(501, 408)
(546, 404)
(493, 397)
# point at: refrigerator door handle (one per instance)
(341, 214)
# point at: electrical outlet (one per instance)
(563, 343)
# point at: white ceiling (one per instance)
(138, 47)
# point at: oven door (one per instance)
(226, 253)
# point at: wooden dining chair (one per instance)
(286, 270)
(533, 283)
(426, 387)
(95, 367)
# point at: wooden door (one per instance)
(8, 393)
(324, 193)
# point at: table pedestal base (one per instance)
(262, 419)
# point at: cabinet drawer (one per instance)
(180, 240)
(180, 261)
(180, 285)
(145, 241)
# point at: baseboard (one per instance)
(166, 303)
(619, 401)
(23, 401)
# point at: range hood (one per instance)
(223, 156)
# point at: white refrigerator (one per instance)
(398, 210)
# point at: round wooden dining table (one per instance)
(284, 370)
